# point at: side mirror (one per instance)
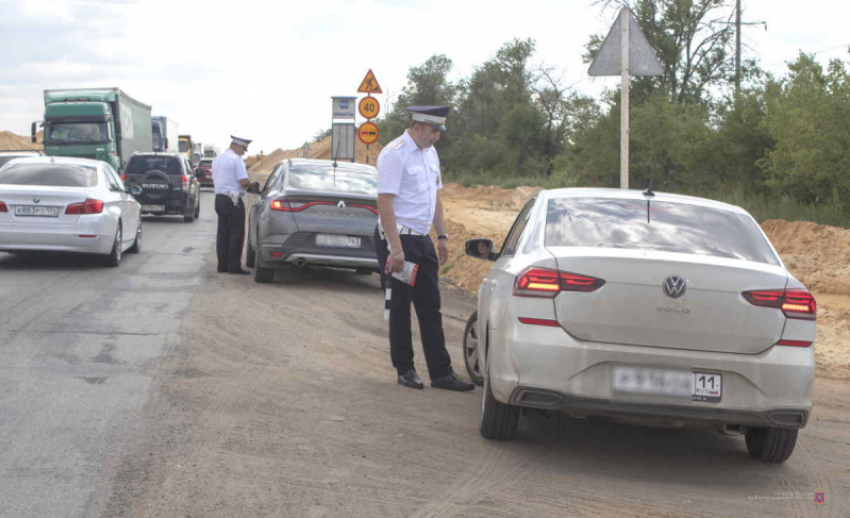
(135, 190)
(481, 249)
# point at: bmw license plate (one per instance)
(334, 241)
(37, 211)
(699, 386)
(153, 208)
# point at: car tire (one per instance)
(470, 350)
(498, 420)
(771, 444)
(190, 217)
(250, 256)
(263, 275)
(114, 257)
(198, 206)
(137, 243)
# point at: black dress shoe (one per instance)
(240, 272)
(452, 382)
(410, 379)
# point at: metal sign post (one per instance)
(625, 52)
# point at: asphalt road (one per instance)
(164, 389)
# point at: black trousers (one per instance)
(426, 299)
(230, 236)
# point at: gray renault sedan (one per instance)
(311, 213)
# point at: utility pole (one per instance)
(738, 49)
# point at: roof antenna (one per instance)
(649, 193)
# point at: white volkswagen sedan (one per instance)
(648, 306)
(67, 205)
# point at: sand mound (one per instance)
(318, 150)
(12, 142)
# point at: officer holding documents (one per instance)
(231, 183)
(409, 182)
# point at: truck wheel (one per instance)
(498, 420)
(114, 257)
(771, 444)
(470, 350)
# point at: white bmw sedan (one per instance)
(649, 307)
(67, 205)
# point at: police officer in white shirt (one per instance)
(409, 181)
(231, 183)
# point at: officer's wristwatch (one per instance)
(443, 236)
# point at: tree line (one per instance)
(778, 139)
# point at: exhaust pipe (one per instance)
(301, 262)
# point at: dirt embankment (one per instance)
(12, 142)
(317, 150)
(818, 255)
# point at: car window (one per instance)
(205, 163)
(518, 227)
(672, 227)
(7, 158)
(142, 164)
(273, 178)
(113, 177)
(54, 175)
(321, 177)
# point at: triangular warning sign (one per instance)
(370, 84)
(642, 59)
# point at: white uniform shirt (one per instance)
(413, 176)
(227, 169)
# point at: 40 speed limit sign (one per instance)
(369, 107)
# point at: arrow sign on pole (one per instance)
(625, 52)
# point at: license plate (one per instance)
(37, 211)
(153, 208)
(699, 386)
(330, 240)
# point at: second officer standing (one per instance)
(409, 181)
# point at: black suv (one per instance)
(168, 185)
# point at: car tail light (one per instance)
(3, 207)
(124, 177)
(296, 206)
(794, 303)
(85, 207)
(543, 282)
(374, 210)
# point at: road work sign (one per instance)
(370, 85)
(625, 52)
(368, 133)
(369, 107)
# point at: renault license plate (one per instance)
(334, 241)
(37, 211)
(153, 208)
(698, 386)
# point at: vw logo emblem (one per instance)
(340, 205)
(675, 287)
(36, 200)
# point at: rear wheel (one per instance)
(198, 207)
(498, 420)
(250, 256)
(470, 350)
(137, 243)
(263, 275)
(114, 257)
(190, 217)
(771, 444)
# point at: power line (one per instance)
(846, 45)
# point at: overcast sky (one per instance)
(266, 70)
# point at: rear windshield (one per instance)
(321, 178)
(53, 175)
(143, 164)
(4, 159)
(205, 163)
(672, 227)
